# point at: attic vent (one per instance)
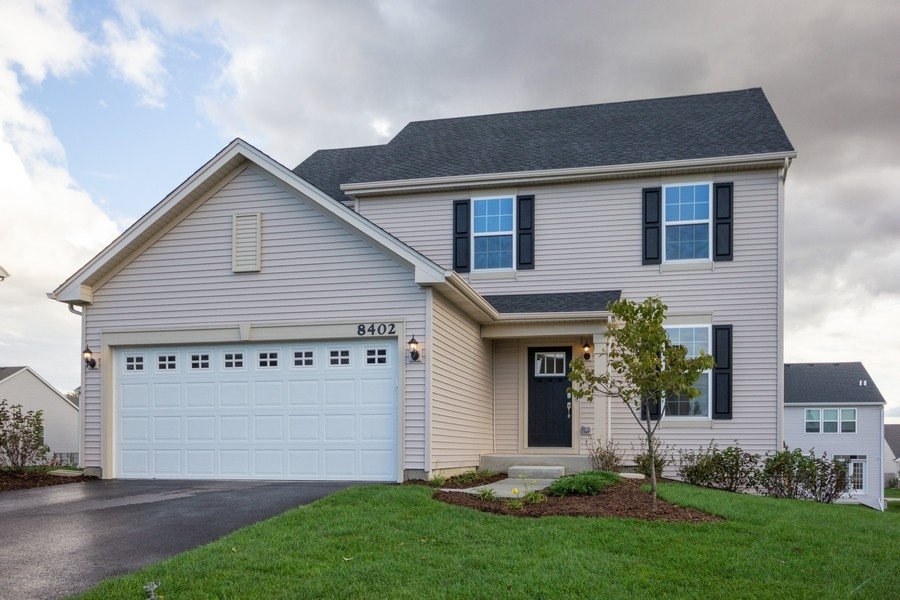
(863, 382)
(245, 243)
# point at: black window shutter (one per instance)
(525, 232)
(721, 374)
(461, 242)
(652, 226)
(724, 222)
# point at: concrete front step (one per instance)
(537, 472)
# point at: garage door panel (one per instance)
(253, 411)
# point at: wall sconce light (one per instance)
(413, 349)
(88, 357)
(586, 351)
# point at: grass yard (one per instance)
(891, 493)
(396, 542)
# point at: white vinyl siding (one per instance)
(315, 272)
(245, 253)
(588, 237)
(506, 394)
(461, 389)
(60, 417)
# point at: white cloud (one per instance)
(135, 54)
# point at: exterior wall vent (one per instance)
(245, 253)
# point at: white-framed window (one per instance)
(233, 360)
(134, 363)
(830, 420)
(339, 357)
(376, 356)
(267, 359)
(199, 361)
(856, 471)
(695, 338)
(550, 364)
(304, 358)
(166, 362)
(493, 233)
(687, 227)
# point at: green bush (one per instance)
(21, 437)
(662, 455)
(731, 469)
(588, 483)
(604, 457)
(793, 474)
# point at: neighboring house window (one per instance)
(134, 363)
(199, 361)
(493, 233)
(688, 222)
(303, 358)
(695, 339)
(165, 362)
(830, 420)
(856, 470)
(234, 360)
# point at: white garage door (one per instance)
(302, 411)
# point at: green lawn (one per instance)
(395, 542)
(891, 493)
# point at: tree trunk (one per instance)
(651, 452)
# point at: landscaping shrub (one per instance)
(662, 455)
(21, 437)
(588, 483)
(731, 469)
(793, 474)
(604, 457)
(893, 482)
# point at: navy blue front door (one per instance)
(549, 405)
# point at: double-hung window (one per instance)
(492, 233)
(687, 222)
(694, 339)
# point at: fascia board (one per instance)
(835, 403)
(773, 159)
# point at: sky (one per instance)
(108, 106)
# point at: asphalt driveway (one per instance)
(61, 540)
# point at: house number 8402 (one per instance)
(376, 329)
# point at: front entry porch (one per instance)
(501, 463)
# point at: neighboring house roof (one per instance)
(661, 130)
(892, 437)
(9, 371)
(3, 274)
(555, 303)
(829, 383)
(328, 169)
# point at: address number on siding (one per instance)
(376, 329)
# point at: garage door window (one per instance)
(339, 357)
(234, 360)
(199, 362)
(268, 360)
(134, 363)
(304, 358)
(376, 356)
(166, 362)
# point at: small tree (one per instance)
(644, 368)
(21, 437)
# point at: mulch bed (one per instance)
(20, 481)
(624, 500)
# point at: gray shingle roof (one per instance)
(721, 124)
(892, 437)
(557, 302)
(328, 169)
(9, 371)
(829, 383)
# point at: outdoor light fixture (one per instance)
(88, 356)
(587, 351)
(413, 349)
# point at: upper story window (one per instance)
(492, 233)
(695, 339)
(830, 420)
(687, 222)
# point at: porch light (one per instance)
(88, 357)
(586, 351)
(413, 349)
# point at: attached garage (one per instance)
(323, 410)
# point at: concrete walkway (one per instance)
(504, 488)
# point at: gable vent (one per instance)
(245, 243)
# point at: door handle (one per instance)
(569, 409)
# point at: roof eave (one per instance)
(405, 186)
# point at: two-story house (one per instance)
(395, 311)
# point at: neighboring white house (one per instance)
(259, 322)
(837, 408)
(21, 385)
(891, 452)
(3, 274)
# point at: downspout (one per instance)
(73, 311)
(881, 501)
